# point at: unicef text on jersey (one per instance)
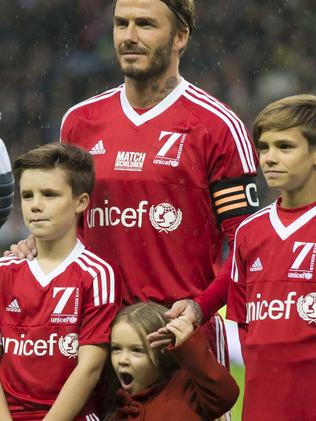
(304, 306)
(163, 217)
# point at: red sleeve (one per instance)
(208, 386)
(215, 296)
(236, 302)
(232, 167)
(97, 317)
(242, 332)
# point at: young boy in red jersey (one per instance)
(273, 288)
(56, 311)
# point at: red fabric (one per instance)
(44, 318)
(151, 210)
(272, 296)
(201, 388)
(215, 296)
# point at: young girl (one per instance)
(183, 383)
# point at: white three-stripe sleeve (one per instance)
(101, 274)
(240, 142)
(220, 340)
(110, 271)
(96, 296)
(92, 417)
(241, 129)
(97, 98)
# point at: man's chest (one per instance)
(167, 149)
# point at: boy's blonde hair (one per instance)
(286, 113)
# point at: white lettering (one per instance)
(129, 214)
(249, 187)
(276, 306)
(28, 347)
(112, 215)
(275, 309)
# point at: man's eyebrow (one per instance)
(137, 19)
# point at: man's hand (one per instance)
(161, 338)
(187, 308)
(175, 332)
(23, 249)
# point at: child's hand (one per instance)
(182, 328)
(161, 338)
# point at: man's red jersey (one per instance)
(274, 291)
(151, 210)
(44, 318)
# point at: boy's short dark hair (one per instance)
(77, 162)
(293, 111)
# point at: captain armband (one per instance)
(235, 197)
(6, 196)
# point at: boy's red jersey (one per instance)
(44, 318)
(273, 290)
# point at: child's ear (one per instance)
(82, 202)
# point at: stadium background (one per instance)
(55, 53)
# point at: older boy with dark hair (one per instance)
(56, 311)
(273, 288)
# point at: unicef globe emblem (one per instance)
(69, 345)
(306, 307)
(164, 217)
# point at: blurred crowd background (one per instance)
(55, 53)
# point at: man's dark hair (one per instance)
(184, 11)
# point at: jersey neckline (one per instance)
(139, 119)
(44, 279)
(285, 232)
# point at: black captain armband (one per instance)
(6, 196)
(235, 197)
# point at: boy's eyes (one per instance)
(26, 195)
(46, 193)
(50, 193)
(262, 147)
(286, 146)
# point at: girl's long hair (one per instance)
(145, 318)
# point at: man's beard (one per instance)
(158, 64)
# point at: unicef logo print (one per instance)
(69, 345)
(164, 217)
(306, 307)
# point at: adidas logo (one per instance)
(14, 306)
(98, 148)
(256, 266)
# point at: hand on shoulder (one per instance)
(23, 249)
